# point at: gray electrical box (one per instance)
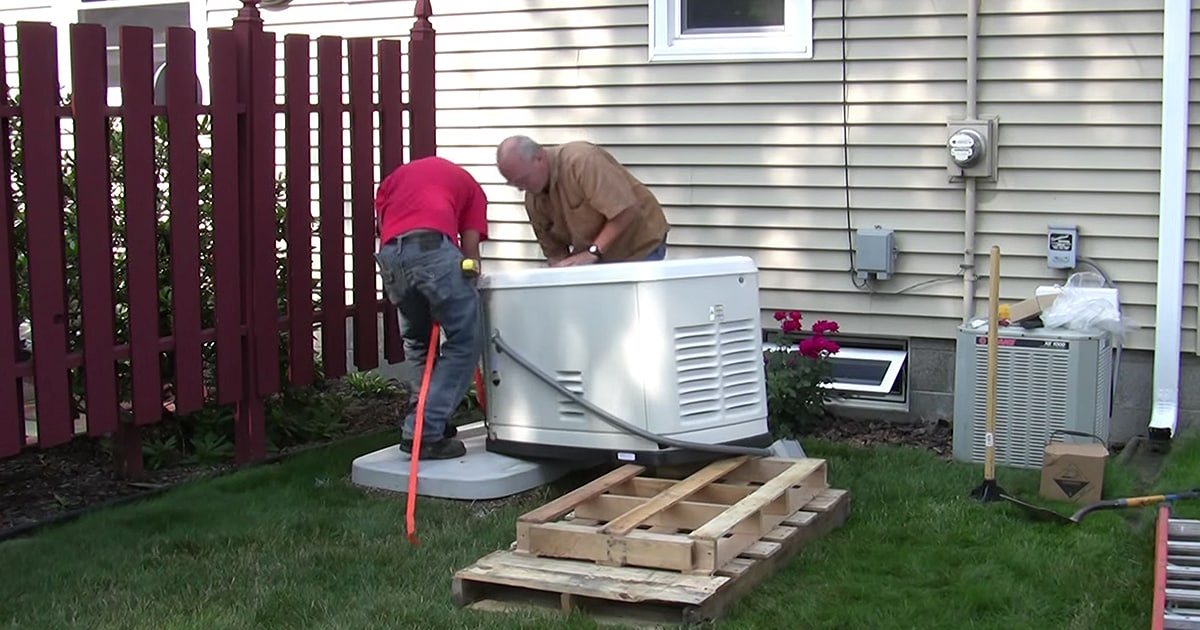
(1062, 246)
(875, 253)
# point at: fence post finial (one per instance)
(423, 11)
(249, 10)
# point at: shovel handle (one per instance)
(1149, 499)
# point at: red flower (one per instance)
(811, 348)
(824, 326)
(828, 345)
(780, 315)
(818, 345)
(790, 325)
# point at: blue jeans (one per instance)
(423, 278)
(659, 253)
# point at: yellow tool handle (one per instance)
(469, 267)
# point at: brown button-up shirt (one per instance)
(587, 188)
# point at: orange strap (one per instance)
(479, 393)
(419, 424)
(411, 515)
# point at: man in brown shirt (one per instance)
(583, 205)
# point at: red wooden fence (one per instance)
(246, 318)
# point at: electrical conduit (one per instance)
(1172, 207)
(970, 200)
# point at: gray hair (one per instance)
(524, 146)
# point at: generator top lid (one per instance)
(613, 273)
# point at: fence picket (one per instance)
(183, 164)
(299, 208)
(362, 206)
(227, 263)
(12, 407)
(141, 219)
(332, 224)
(37, 48)
(93, 206)
(261, 204)
(166, 306)
(391, 155)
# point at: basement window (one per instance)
(730, 30)
(861, 370)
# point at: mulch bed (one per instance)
(39, 486)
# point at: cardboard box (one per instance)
(1027, 309)
(1073, 472)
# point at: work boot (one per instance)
(450, 431)
(445, 448)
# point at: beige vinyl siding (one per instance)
(748, 158)
(15, 11)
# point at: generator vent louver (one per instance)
(718, 369)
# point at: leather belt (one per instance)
(424, 240)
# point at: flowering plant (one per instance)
(796, 372)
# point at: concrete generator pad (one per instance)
(479, 475)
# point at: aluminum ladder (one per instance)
(1177, 572)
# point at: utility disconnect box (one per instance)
(875, 253)
(1061, 246)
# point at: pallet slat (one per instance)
(753, 504)
(672, 495)
(568, 501)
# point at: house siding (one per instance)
(777, 159)
(763, 158)
(780, 160)
(15, 11)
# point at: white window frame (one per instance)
(893, 358)
(668, 42)
(66, 13)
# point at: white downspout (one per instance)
(968, 264)
(1171, 210)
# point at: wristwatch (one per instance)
(594, 250)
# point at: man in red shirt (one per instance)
(432, 215)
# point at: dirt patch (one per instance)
(937, 437)
(48, 485)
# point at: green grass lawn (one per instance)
(293, 545)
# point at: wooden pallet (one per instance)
(694, 525)
(509, 580)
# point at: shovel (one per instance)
(1108, 504)
(989, 491)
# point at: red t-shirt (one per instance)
(430, 193)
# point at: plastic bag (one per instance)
(1082, 305)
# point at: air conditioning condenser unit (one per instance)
(1046, 380)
